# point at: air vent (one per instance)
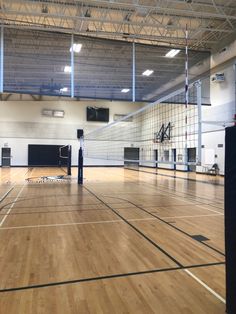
(53, 113)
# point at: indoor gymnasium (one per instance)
(118, 176)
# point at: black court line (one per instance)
(39, 197)
(22, 198)
(105, 277)
(176, 177)
(213, 205)
(63, 205)
(137, 230)
(172, 226)
(176, 205)
(55, 211)
(189, 194)
(6, 195)
(191, 197)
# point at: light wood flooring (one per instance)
(124, 242)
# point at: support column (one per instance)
(199, 109)
(1, 59)
(72, 77)
(133, 75)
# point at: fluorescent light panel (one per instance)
(172, 53)
(47, 112)
(125, 90)
(64, 89)
(76, 48)
(147, 72)
(58, 113)
(67, 69)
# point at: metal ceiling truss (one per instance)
(34, 63)
(151, 21)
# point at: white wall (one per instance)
(222, 109)
(21, 123)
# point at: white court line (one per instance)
(9, 210)
(211, 210)
(140, 219)
(205, 286)
(62, 225)
(74, 223)
(194, 216)
(86, 222)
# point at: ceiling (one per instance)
(211, 23)
(35, 61)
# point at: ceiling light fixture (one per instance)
(67, 69)
(125, 90)
(172, 53)
(147, 72)
(76, 48)
(64, 89)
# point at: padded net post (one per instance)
(80, 136)
(230, 218)
(69, 161)
(65, 158)
(80, 168)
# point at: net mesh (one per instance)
(162, 132)
(65, 159)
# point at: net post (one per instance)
(230, 218)
(72, 76)
(69, 161)
(133, 72)
(80, 136)
(198, 86)
(1, 57)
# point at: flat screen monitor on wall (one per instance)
(97, 114)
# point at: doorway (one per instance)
(6, 157)
(192, 153)
(131, 156)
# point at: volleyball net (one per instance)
(65, 159)
(165, 132)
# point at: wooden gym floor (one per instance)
(125, 242)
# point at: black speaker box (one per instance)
(80, 133)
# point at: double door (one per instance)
(6, 157)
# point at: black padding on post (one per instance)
(230, 218)
(69, 161)
(80, 169)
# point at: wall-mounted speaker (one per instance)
(80, 133)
